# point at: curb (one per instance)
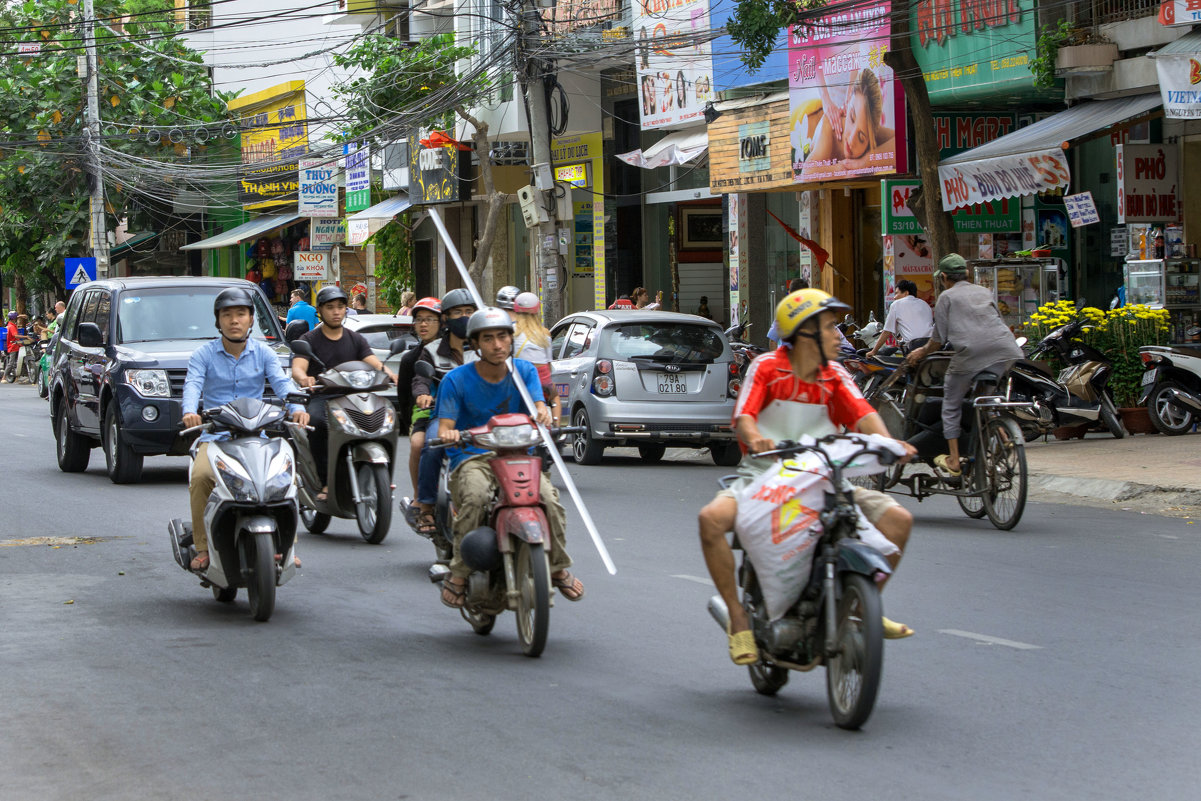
(1107, 489)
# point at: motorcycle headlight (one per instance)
(389, 419)
(282, 476)
(523, 436)
(360, 379)
(149, 383)
(342, 419)
(235, 479)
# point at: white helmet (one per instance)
(526, 303)
(505, 295)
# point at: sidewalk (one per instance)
(1102, 467)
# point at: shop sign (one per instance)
(310, 265)
(574, 175)
(357, 231)
(1001, 216)
(754, 139)
(1147, 183)
(1081, 209)
(735, 135)
(274, 132)
(847, 112)
(574, 15)
(433, 171)
(358, 177)
(1003, 177)
(1119, 243)
(1180, 12)
(674, 61)
(324, 234)
(1180, 85)
(318, 188)
(974, 49)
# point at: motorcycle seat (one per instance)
(1034, 366)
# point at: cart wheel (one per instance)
(1003, 454)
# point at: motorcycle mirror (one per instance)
(424, 369)
(1021, 342)
(399, 345)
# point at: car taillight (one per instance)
(734, 387)
(602, 380)
(733, 368)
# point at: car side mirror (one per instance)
(90, 336)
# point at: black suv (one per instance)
(118, 366)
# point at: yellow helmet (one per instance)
(800, 306)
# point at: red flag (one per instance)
(819, 253)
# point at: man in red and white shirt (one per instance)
(793, 391)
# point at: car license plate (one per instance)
(1149, 377)
(672, 385)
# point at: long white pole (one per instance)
(551, 446)
(99, 226)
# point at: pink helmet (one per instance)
(526, 303)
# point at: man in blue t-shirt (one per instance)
(469, 396)
(301, 310)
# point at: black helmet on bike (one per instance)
(479, 549)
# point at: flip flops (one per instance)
(201, 562)
(743, 650)
(896, 631)
(453, 595)
(568, 586)
(943, 463)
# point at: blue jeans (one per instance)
(428, 468)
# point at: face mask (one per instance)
(458, 327)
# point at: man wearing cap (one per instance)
(966, 317)
(12, 347)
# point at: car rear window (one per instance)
(675, 343)
(381, 338)
(154, 314)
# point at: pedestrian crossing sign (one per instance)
(80, 271)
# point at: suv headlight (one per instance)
(149, 383)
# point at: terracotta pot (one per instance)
(1071, 432)
(1137, 419)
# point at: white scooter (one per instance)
(251, 514)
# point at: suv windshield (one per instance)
(153, 314)
(674, 343)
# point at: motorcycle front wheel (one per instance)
(374, 510)
(533, 597)
(853, 674)
(258, 556)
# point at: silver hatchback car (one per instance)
(649, 379)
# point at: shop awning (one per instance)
(362, 224)
(679, 147)
(118, 251)
(248, 230)
(1031, 159)
(1177, 65)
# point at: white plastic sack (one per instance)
(778, 510)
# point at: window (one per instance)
(678, 343)
(578, 340)
(103, 307)
(88, 312)
(154, 314)
(557, 338)
(71, 317)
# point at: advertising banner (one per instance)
(587, 247)
(846, 110)
(1180, 86)
(311, 265)
(357, 231)
(1148, 186)
(674, 61)
(1180, 12)
(358, 177)
(274, 137)
(906, 250)
(433, 170)
(1003, 177)
(749, 150)
(318, 188)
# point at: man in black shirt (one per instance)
(332, 344)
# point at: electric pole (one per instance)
(99, 225)
(534, 86)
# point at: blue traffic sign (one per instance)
(80, 271)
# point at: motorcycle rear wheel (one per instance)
(1167, 417)
(374, 512)
(853, 674)
(258, 555)
(314, 522)
(766, 679)
(533, 597)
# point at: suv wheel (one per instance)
(726, 454)
(652, 453)
(584, 448)
(124, 466)
(73, 449)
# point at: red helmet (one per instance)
(429, 304)
(526, 303)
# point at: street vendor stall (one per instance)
(1019, 285)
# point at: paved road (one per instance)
(1053, 662)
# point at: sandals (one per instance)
(201, 562)
(943, 463)
(426, 526)
(453, 595)
(743, 650)
(568, 586)
(896, 631)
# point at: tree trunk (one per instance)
(927, 202)
(496, 200)
(19, 293)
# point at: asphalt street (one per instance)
(1055, 661)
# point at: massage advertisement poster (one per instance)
(846, 110)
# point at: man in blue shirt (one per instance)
(229, 367)
(469, 396)
(301, 310)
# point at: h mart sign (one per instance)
(1148, 183)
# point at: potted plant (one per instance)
(1064, 49)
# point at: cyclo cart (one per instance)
(993, 481)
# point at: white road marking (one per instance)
(989, 640)
(697, 579)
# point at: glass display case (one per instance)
(1019, 286)
(1173, 284)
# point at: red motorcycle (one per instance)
(508, 556)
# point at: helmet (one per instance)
(486, 318)
(526, 303)
(799, 306)
(505, 295)
(479, 549)
(226, 298)
(12, 315)
(457, 297)
(329, 293)
(429, 304)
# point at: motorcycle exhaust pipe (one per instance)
(1185, 400)
(717, 608)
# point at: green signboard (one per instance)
(358, 200)
(971, 50)
(997, 217)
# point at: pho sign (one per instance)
(1148, 185)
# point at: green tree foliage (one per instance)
(148, 80)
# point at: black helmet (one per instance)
(479, 549)
(456, 297)
(233, 296)
(329, 293)
(505, 296)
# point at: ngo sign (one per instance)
(1147, 183)
(1180, 86)
(1002, 177)
(311, 265)
(318, 189)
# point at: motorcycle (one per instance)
(251, 513)
(508, 556)
(744, 352)
(838, 618)
(1078, 395)
(409, 508)
(362, 445)
(1171, 386)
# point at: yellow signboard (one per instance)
(274, 137)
